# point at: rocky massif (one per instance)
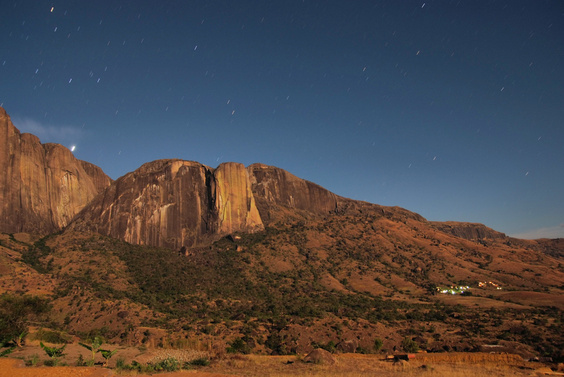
(174, 203)
(42, 186)
(165, 203)
(303, 267)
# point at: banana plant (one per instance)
(7, 351)
(53, 352)
(19, 340)
(94, 347)
(107, 355)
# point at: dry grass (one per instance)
(183, 356)
(460, 365)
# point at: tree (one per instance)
(409, 345)
(15, 313)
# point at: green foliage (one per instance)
(169, 364)
(53, 352)
(276, 343)
(7, 351)
(107, 354)
(409, 345)
(34, 255)
(80, 361)
(120, 363)
(94, 347)
(15, 313)
(200, 362)
(32, 361)
(238, 345)
(329, 346)
(50, 336)
(51, 362)
(378, 343)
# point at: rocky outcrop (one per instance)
(273, 187)
(174, 204)
(235, 203)
(42, 186)
(469, 231)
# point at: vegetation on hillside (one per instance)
(344, 278)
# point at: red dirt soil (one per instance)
(16, 368)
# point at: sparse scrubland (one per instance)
(341, 283)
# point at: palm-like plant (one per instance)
(53, 352)
(94, 347)
(107, 355)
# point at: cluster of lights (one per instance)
(454, 289)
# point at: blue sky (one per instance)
(451, 109)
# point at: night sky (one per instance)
(451, 109)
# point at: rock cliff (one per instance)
(42, 186)
(469, 231)
(174, 203)
(275, 187)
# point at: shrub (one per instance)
(120, 363)
(49, 336)
(409, 345)
(239, 346)
(378, 343)
(200, 362)
(32, 361)
(53, 352)
(15, 312)
(169, 364)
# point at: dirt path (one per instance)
(16, 368)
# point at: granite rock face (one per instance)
(274, 187)
(234, 200)
(174, 204)
(469, 231)
(42, 186)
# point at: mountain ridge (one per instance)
(43, 186)
(261, 197)
(176, 250)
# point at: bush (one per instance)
(169, 364)
(378, 343)
(53, 352)
(120, 363)
(49, 336)
(15, 312)
(200, 362)
(239, 346)
(409, 345)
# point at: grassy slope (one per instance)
(356, 276)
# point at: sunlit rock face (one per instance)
(273, 186)
(235, 203)
(469, 231)
(42, 186)
(174, 203)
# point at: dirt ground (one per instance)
(16, 368)
(347, 365)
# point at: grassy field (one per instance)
(354, 365)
